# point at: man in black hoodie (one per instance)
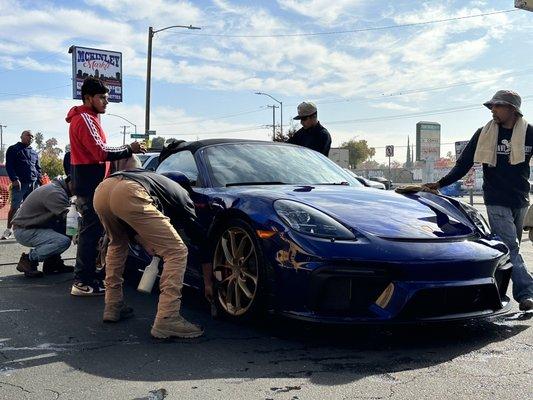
(149, 205)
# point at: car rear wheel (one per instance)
(238, 270)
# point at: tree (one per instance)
(38, 139)
(358, 151)
(51, 162)
(279, 137)
(158, 142)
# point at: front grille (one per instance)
(442, 301)
(347, 292)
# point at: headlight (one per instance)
(476, 217)
(310, 221)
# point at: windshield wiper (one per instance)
(344, 183)
(255, 183)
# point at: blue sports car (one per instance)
(295, 234)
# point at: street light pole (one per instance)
(127, 120)
(280, 109)
(151, 33)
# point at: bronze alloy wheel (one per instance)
(236, 270)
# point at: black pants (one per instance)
(91, 231)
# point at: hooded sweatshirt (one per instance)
(44, 206)
(89, 151)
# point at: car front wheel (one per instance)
(238, 270)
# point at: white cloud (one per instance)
(324, 12)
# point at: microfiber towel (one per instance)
(488, 139)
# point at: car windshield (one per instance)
(143, 157)
(275, 164)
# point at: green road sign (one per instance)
(138, 136)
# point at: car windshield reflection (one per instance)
(269, 163)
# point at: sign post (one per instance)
(389, 152)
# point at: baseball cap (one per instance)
(305, 109)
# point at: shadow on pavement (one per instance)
(41, 323)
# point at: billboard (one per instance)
(102, 64)
(427, 141)
(459, 147)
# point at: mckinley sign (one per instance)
(102, 64)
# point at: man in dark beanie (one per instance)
(90, 154)
(312, 134)
(504, 146)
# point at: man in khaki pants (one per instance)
(129, 200)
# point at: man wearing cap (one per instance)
(312, 135)
(504, 148)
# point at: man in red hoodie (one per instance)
(89, 153)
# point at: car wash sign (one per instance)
(102, 64)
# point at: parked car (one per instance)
(149, 160)
(384, 181)
(296, 234)
(366, 182)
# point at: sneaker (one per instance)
(28, 267)
(116, 312)
(56, 265)
(526, 304)
(84, 290)
(7, 234)
(165, 328)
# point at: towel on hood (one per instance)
(488, 141)
(410, 189)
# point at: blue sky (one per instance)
(372, 84)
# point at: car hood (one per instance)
(377, 212)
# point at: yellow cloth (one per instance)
(488, 140)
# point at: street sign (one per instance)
(389, 151)
(138, 136)
(151, 132)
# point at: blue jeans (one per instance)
(507, 223)
(19, 194)
(44, 242)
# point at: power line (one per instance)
(23, 94)
(377, 28)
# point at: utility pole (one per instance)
(2, 154)
(124, 137)
(273, 121)
(280, 109)
(151, 33)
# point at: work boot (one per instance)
(116, 312)
(28, 267)
(526, 304)
(165, 328)
(56, 265)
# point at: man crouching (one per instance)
(148, 204)
(40, 224)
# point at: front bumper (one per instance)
(379, 294)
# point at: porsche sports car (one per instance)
(295, 234)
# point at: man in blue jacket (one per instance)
(24, 170)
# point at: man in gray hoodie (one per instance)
(40, 224)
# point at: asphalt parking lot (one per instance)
(54, 346)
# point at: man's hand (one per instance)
(15, 184)
(138, 147)
(432, 185)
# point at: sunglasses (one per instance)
(306, 118)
